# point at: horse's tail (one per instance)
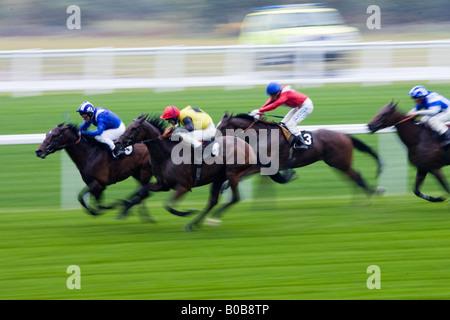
(284, 177)
(361, 146)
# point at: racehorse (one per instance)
(170, 173)
(424, 150)
(334, 148)
(97, 167)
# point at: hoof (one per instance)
(148, 218)
(188, 228)
(380, 190)
(212, 222)
(94, 213)
(121, 216)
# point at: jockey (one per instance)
(300, 104)
(197, 122)
(436, 111)
(109, 126)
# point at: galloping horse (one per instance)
(170, 173)
(424, 150)
(334, 148)
(97, 167)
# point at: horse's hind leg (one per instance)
(358, 179)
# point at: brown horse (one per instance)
(424, 149)
(97, 167)
(172, 173)
(334, 148)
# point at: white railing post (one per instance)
(26, 66)
(98, 65)
(375, 59)
(170, 63)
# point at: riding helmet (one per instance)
(170, 112)
(418, 92)
(86, 107)
(273, 88)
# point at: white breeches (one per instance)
(108, 136)
(196, 137)
(297, 115)
(437, 123)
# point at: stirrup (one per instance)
(299, 143)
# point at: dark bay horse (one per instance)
(97, 167)
(424, 150)
(334, 148)
(170, 173)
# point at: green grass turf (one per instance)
(311, 239)
(309, 249)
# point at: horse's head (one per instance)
(141, 129)
(239, 121)
(386, 117)
(133, 133)
(58, 138)
(224, 123)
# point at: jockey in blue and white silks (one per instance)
(109, 126)
(434, 108)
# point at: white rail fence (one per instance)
(37, 138)
(236, 66)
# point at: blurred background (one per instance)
(144, 23)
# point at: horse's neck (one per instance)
(79, 152)
(409, 132)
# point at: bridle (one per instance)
(55, 145)
(132, 139)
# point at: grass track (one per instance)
(309, 249)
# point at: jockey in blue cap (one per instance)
(435, 111)
(300, 106)
(109, 126)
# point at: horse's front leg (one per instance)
(81, 200)
(170, 204)
(420, 177)
(214, 194)
(134, 199)
(441, 178)
(95, 190)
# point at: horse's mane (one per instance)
(248, 117)
(91, 141)
(156, 121)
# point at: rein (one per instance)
(250, 125)
(406, 119)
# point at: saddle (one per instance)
(128, 150)
(307, 137)
(435, 135)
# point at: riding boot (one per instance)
(299, 143)
(198, 172)
(118, 153)
(445, 138)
